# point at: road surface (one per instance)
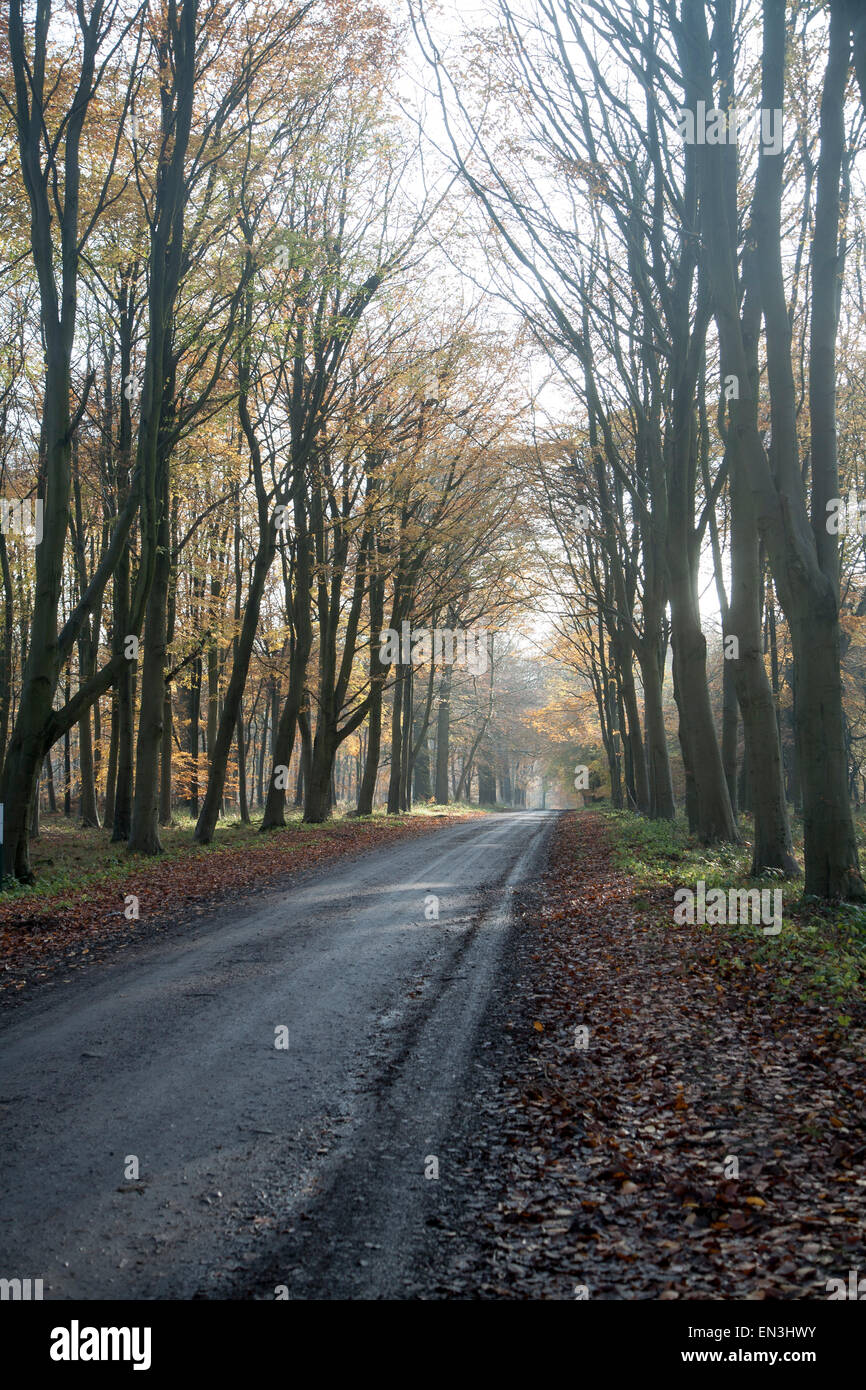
(258, 1106)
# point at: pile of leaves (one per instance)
(704, 1138)
(63, 927)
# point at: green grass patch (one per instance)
(821, 950)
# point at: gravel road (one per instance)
(309, 1167)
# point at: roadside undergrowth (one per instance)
(680, 1113)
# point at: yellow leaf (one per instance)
(539, 1027)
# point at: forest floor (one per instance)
(74, 914)
(646, 1110)
(680, 1113)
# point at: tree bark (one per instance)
(443, 732)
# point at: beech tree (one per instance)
(50, 108)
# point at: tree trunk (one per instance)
(804, 560)
(194, 733)
(378, 675)
(730, 731)
(58, 307)
(773, 847)
(263, 752)
(165, 758)
(406, 741)
(144, 829)
(637, 758)
(714, 818)
(34, 815)
(832, 858)
(240, 743)
(394, 780)
(302, 645)
(67, 765)
(6, 649)
(318, 798)
(421, 765)
(111, 774)
(443, 731)
(662, 804)
(89, 813)
(49, 775)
